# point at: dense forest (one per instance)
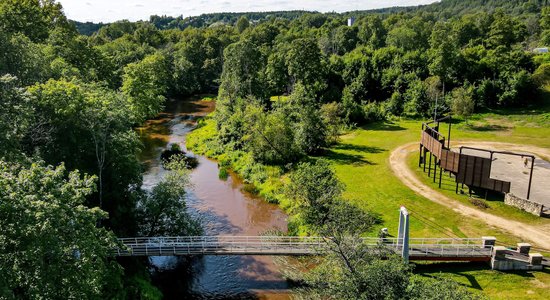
(287, 83)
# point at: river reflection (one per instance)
(224, 210)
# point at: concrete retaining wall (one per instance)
(523, 204)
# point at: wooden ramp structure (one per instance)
(447, 249)
(471, 170)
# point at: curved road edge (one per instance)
(538, 236)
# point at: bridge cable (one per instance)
(434, 225)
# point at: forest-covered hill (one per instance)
(444, 9)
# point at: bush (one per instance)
(373, 112)
(542, 74)
(223, 174)
(479, 203)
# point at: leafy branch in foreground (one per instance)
(349, 268)
(48, 236)
(163, 211)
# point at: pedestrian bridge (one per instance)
(448, 249)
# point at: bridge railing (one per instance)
(286, 244)
(221, 244)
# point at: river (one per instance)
(223, 207)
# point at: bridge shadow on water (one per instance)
(216, 277)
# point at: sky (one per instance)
(133, 10)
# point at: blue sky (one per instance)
(112, 10)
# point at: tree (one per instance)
(22, 58)
(331, 113)
(542, 74)
(51, 244)
(305, 65)
(313, 188)
(106, 113)
(241, 72)
(33, 18)
(88, 127)
(145, 84)
(15, 115)
(242, 24)
(351, 269)
(545, 25)
(402, 37)
(443, 53)
(269, 136)
(505, 31)
(162, 211)
(462, 102)
(120, 53)
(310, 130)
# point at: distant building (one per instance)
(538, 50)
(351, 21)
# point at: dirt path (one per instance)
(539, 236)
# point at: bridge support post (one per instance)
(403, 234)
(420, 158)
(489, 241)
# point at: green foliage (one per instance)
(162, 211)
(49, 237)
(313, 188)
(462, 103)
(14, 115)
(242, 24)
(145, 84)
(241, 72)
(32, 18)
(85, 93)
(269, 136)
(305, 66)
(542, 75)
(331, 114)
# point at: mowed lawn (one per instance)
(361, 161)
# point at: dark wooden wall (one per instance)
(471, 170)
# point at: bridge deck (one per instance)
(420, 249)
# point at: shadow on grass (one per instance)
(383, 126)
(360, 148)
(433, 270)
(348, 159)
(486, 127)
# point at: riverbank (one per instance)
(224, 208)
(361, 161)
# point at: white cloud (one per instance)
(109, 10)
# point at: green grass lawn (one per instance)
(494, 284)
(361, 162)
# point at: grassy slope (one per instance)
(361, 162)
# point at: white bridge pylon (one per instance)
(403, 233)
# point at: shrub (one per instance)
(223, 173)
(479, 203)
(373, 112)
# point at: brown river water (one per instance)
(223, 207)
